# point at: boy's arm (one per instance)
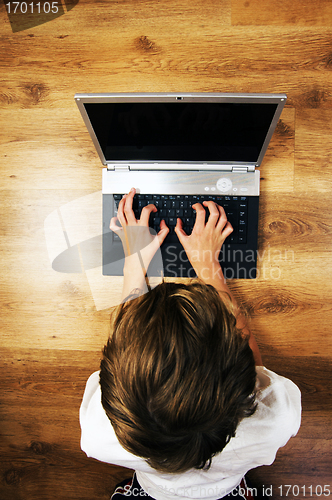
(133, 276)
(138, 243)
(203, 248)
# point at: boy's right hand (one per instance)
(203, 245)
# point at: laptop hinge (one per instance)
(250, 168)
(119, 168)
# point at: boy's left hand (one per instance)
(135, 234)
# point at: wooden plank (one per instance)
(221, 62)
(291, 221)
(175, 17)
(313, 155)
(52, 145)
(282, 13)
(40, 435)
(283, 304)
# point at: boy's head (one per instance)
(177, 376)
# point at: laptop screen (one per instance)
(181, 131)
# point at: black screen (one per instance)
(181, 131)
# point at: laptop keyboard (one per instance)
(170, 207)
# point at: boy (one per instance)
(182, 396)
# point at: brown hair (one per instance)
(177, 376)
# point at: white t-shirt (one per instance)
(257, 440)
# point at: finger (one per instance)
(113, 224)
(179, 231)
(214, 213)
(228, 229)
(120, 215)
(145, 214)
(128, 208)
(164, 230)
(222, 218)
(224, 226)
(163, 225)
(200, 216)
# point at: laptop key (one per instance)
(172, 238)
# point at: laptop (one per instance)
(177, 149)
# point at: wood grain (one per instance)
(282, 13)
(40, 454)
(51, 331)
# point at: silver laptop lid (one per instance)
(159, 131)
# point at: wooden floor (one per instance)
(51, 330)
